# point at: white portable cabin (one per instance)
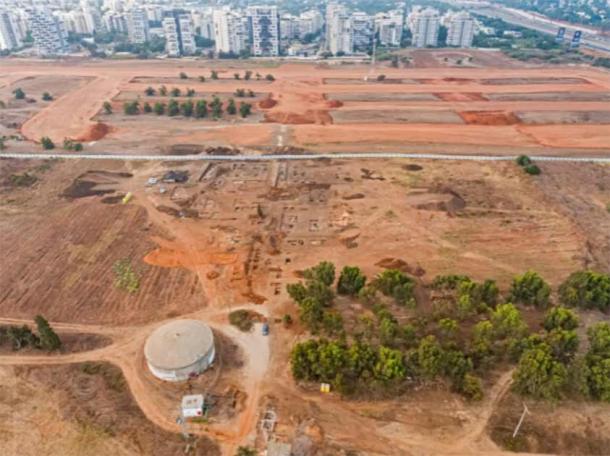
(192, 406)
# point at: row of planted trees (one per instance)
(198, 109)
(190, 93)
(247, 76)
(467, 331)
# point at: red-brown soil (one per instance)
(95, 132)
(267, 103)
(460, 96)
(489, 118)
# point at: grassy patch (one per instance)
(23, 180)
(125, 277)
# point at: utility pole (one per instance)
(525, 412)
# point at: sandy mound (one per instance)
(267, 103)
(489, 117)
(95, 132)
(334, 104)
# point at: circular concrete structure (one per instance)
(179, 350)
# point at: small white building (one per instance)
(192, 406)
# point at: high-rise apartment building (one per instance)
(339, 36)
(179, 36)
(137, 25)
(310, 23)
(424, 26)
(362, 31)
(9, 33)
(460, 29)
(48, 32)
(389, 27)
(230, 31)
(265, 28)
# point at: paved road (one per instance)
(274, 157)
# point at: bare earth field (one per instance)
(235, 234)
(322, 107)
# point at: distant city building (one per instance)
(179, 37)
(310, 23)
(137, 26)
(48, 33)
(265, 26)
(389, 27)
(289, 28)
(10, 37)
(460, 29)
(204, 24)
(230, 31)
(362, 31)
(75, 22)
(115, 22)
(339, 36)
(424, 26)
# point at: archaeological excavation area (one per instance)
(170, 278)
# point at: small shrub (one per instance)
(125, 277)
(183, 75)
(533, 170)
(47, 143)
(241, 319)
(523, 160)
(47, 96)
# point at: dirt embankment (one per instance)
(95, 132)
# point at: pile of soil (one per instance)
(489, 118)
(334, 104)
(267, 103)
(401, 265)
(95, 132)
(83, 188)
(185, 149)
(458, 80)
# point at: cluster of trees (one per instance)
(385, 351)
(528, 165)
(199, 109)
(70, 144)
(175, 92)
(247, 76)
(22, 336)
(242, 93)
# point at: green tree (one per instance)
(390, 365)
(270, 78)
(563, 343)
(533, 170)
(46, 96)
(214, 74)
(320, 291)
(150, 91)
(245, 109)
(236, 76)
(190, 92)
(530, 289)
(523, 160)
(311, 313)
(159, 108)
(539, 375)
(131, 108)
(560, 318)
(430, 357)
(173, 108)
(351, 281)
(107, 107)
(448, 328)
(216, 106)
(49, 340)
(147, 108)
(248, 75)
(186, 108)
(183, 75)
(19, 93)
(240, 93)
(175, 92)
(332, 322)
(392, 282)
(323, 271)
(47, 143)
(507, 322)
(597, 362)
(362, 359)
(472, 387)
(201, 78)
(22, 336)
(297, 291)
(163, 91)
(78, 147)
(587, 290)
(201, 109)
(231, 108)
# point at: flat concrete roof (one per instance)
(178, 344)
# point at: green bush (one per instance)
(351, 281)
(587, 290)
(560, 318)
(125, 277)
(242, 319)
(534, 170)
(539, 374)
(523, 160)
(530, 289)
(47, 143)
